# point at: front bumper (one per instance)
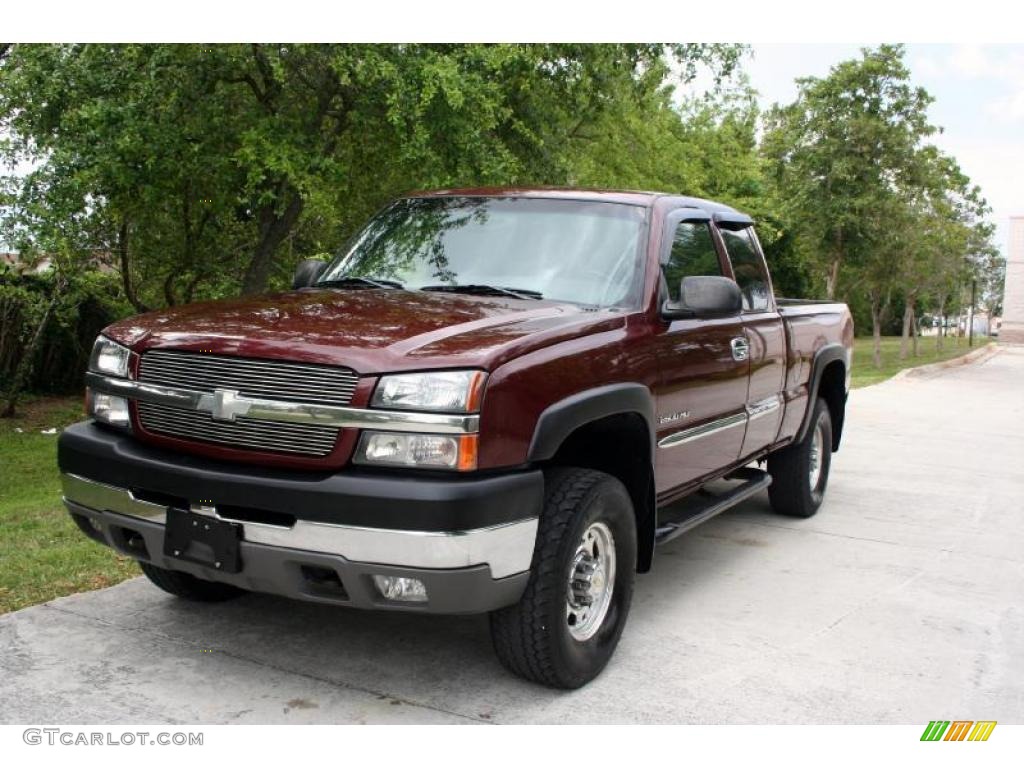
(297, 526)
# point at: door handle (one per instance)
(740, 348)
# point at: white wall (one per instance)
(1013, 299)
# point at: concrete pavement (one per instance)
(902, 601)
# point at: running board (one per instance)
(754, 481)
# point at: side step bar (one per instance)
(754, 481)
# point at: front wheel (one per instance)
(800, 471)
(566, 626)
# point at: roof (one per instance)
(628, 197)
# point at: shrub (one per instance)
(90, 301)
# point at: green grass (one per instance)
(865, 373)
(42, 554)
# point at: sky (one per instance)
(979, 104)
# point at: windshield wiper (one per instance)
(486, 290)
(355, 282)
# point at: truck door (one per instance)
(702, 390)
(764, 331)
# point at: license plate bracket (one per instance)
(203, 540)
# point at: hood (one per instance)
(371, 331)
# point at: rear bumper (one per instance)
(119, 491)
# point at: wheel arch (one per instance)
(829, 376)
(610, 429)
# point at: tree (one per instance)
(199, 165)
(880, 216)
(837, 152)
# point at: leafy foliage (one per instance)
(87, 302)
(878, 215)
(201, 171)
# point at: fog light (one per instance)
(110, 409)
(401, 588)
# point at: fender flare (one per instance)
(829, 353)
(561, 419)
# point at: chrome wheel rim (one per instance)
(591, 582)
(817, 449)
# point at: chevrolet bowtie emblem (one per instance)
(227, 405)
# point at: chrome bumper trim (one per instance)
(507, 549)
(108, 498)
(284, 410)
(704, 430)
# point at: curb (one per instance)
(925, 370)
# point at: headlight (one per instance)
(447, 391)
(408, 449)
(109, 357)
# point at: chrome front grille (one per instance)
(269, 379)
(252, 434)
(300, 382)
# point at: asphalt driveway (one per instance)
(902, 601)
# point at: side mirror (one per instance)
(307, 273)
(705, 296)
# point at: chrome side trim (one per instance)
(764, 407)
(704, 430)
(287, 411)
(507, 548)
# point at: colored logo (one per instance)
(958, 730)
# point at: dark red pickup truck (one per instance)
(488, 402)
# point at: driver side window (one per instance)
(693, 254)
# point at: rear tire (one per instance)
(800, 471)
(189, 587)
(566, 626)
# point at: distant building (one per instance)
(1012, 329)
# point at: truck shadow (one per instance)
(432, 659)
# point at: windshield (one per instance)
(564, 250)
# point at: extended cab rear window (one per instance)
(749, 268)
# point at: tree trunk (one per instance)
(942, 324)
(24, 369)
(169, 296)
(915, 334)
(876, 331)
(833, 278)
(908, 318)
(126, 274)
(274, 228)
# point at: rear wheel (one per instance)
(800, 471)
(566, 626)
(188, 586)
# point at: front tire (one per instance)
(189, 587)
(566, 626)
(800, 471)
